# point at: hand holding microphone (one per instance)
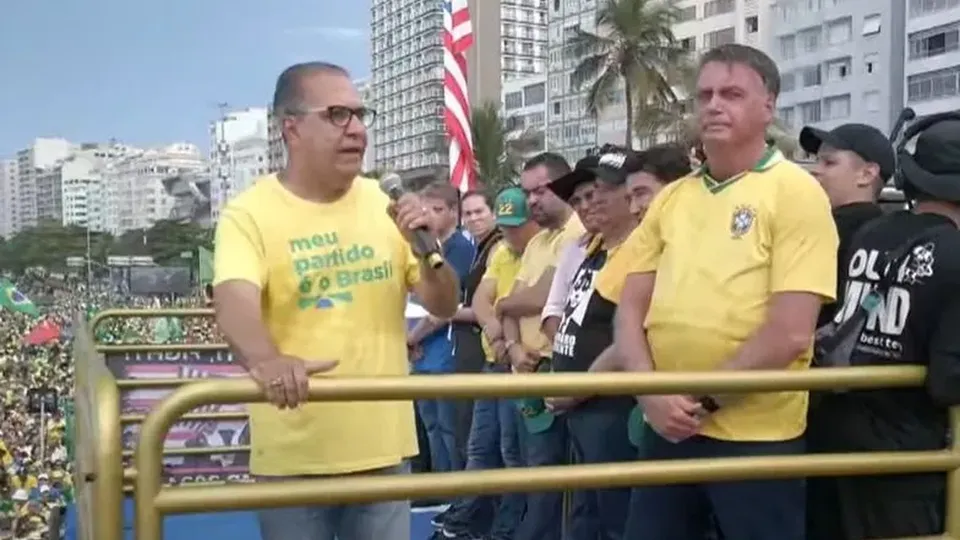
(411, 218)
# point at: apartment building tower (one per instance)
(407, 78)
(932, 65)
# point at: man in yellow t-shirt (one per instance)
(312, 275)
(494, 440)
(727, 271)
(527, 346)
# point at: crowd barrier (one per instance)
(100, 457)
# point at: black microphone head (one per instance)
(392, 185)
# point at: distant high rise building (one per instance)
(276, 151)
(134, 193)
(31, 162)
(78, 180)
(8, 196)
(524, 109)
(239, 152)
(932, 68)
(840, 61)
(407, 79)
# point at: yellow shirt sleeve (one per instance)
(412, 265)
(239, 252)
(805, 241)
(495, 263)
(639, 253)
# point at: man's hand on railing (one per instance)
(286, 379)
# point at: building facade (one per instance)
(239, 152)
(133, 186)
(524, 111)
(841, 61)
(932, 66)
(8, 196)
(31, 162)
(407, 74)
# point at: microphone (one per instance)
(424, 244)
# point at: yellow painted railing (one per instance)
(154, 501)
(100, 477)
(102, 480)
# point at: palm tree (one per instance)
(498, 146)
(634, 49)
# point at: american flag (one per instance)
(457, 38)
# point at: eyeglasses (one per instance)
(340, 115)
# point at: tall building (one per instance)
(276, 151)
(79, 181)
(523, 31)
(524, 110)
(407, 78)
(841, 61)
(239, 152)
(932, 69)
(134, 193)
(8, 196)
(31, 162)
(366, 94)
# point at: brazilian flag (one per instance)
(14, 300)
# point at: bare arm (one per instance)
(483, 304)
(464, 315)
(550, 326)
(438, 290)
(424, 328)
(238, 314)
(527, 301)
(785, 335)
(630, 338)
(607, 361)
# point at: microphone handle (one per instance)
(425, 245)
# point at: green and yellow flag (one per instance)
(14, 300)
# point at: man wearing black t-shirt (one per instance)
(854, 161)
(914, 322)
(597, 427)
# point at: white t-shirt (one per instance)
(571, 257)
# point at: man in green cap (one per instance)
(494, 436)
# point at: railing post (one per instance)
(952, 506)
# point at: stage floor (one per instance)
(232, 525)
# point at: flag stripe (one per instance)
(457, 38)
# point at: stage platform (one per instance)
(232, 525)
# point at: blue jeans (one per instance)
(381, 521)
(439, 417)
(750, 509)
(598, 433)
(493, 443)
(544, 517)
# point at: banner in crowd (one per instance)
(227, 466)
(152, 280)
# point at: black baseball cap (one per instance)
(865, 141)
(612, 167)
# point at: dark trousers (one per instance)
(744, 510)
(468, 358)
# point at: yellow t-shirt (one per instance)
(720, 251)
(335, 279)
(502, 268)
(541, 255)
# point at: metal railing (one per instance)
(101, 479)
(153, 501)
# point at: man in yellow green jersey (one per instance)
(727, 271)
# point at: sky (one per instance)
(152, 72)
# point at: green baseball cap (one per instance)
(510, 208)
(533, 410)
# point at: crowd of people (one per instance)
(36, 482)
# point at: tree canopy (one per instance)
(49, 244)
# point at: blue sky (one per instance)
(150, 72)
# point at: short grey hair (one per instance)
(288, 93)
(755, 59)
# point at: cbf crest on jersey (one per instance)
(742, 221)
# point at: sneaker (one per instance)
(454, 534)
(437, 521)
